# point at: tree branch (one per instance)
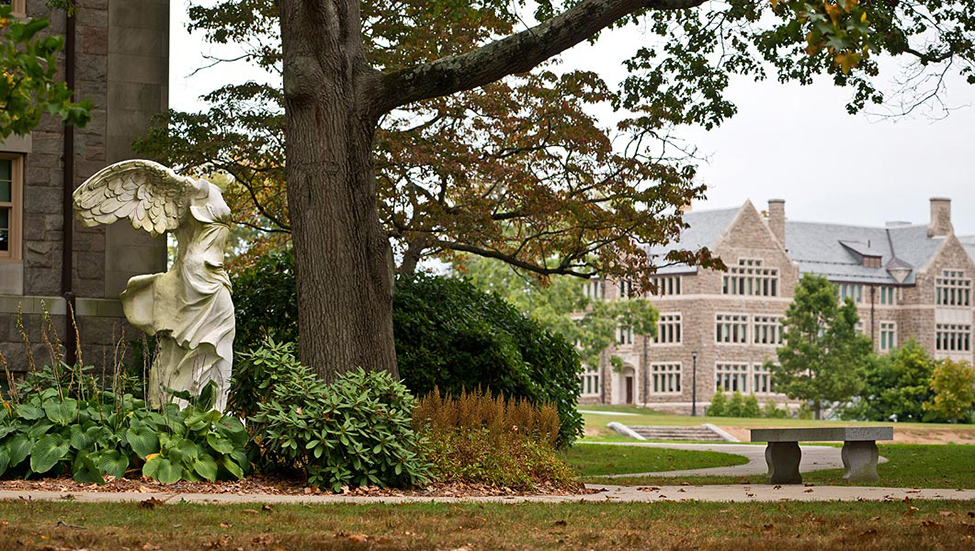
(517, 53)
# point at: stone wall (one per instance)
(122, 50)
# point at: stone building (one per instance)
(116, 55)
(908, 281)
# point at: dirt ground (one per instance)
(902, 435)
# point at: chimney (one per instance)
(940, 224)
(776, 219)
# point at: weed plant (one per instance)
(479, 439)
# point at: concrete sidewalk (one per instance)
(608, 493)
(814, 458)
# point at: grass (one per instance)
(594, 460)
(908, 466)
(596, 424)
(36, 526)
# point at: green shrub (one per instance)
(772, 411)
(266, 301)
(452, 336)
(71, 426)
(750, 407)
(736, 405)
(479, 439)
(719, 405)
(356, 431)
(448, 335)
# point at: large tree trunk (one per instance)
(344, 262)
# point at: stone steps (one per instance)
(699, 433)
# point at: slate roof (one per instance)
(969, 244)
(706, 227)
(819, 248)
(832, 250)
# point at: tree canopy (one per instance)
(563, 307)
(361, 89)
(824, 357)
(896, 386)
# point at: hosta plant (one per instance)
(90, 434)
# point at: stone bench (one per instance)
(859, 450)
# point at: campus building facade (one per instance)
(908, 281)
(117, 54)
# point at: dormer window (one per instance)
(872, 262)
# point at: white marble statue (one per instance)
(188, 308)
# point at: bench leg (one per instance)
(860, 461)
(783, 462)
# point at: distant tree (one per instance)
(953, 384)
(562, 306)
(719, 405)
(896, 386)
(29, 85)
(824, 357)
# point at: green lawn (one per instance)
(36, 526)
(594, 459)
(597, 423)
(908, 466)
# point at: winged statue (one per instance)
(189, 308)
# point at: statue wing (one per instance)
(150, 195)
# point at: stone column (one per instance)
(783, 462)
(860, 461)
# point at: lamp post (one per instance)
(694, 384)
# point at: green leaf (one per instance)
(162, 470)
(4, 460)
(39, 430)
(220, 445)
(143, 440)
(183, 450)
(62, 412)
(29, 412)
(80, 439)
(206, 467)
(18, 448)
(47, 452)
(232, 467)
(85, 470)
(111, 462)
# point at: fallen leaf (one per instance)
(769, 527)
(777, 487)
(807, 490)
(930, 524)
(250, 512)
(225, 525)
(561, 523)
(266, 508)
(912, 510)
(946, 513)
(150, 503)
(870, 532)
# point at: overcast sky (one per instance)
(791, 142)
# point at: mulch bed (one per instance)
(259, 484)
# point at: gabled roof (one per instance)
(706, 228)
(832, 250)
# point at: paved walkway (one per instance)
(814, 458)
(622, 494)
